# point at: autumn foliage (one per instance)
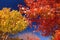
(57, 35)
(11, 22)
(46, 14)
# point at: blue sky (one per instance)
(13, 5)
